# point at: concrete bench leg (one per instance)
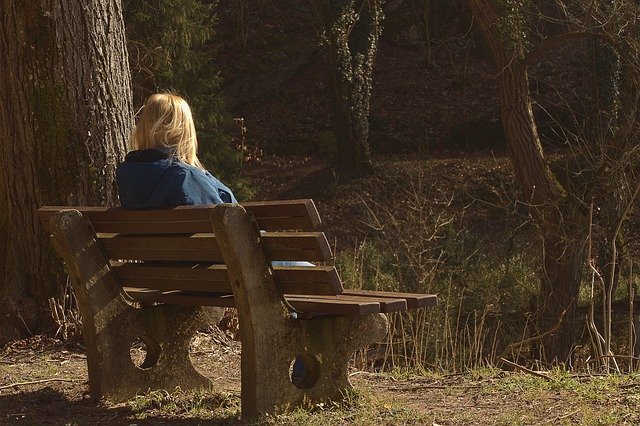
(325, 346)
(111, 323)
(271, 339)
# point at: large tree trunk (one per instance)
(65, 117)
(562, 223)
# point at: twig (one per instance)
(368, 373)
(414, 388)
(613, 356)
(526, 370)
(35, 382)
(589, 375)
(536, 337)
(24, 323)
(629, 385)
(564, 416)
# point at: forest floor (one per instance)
(42, 381)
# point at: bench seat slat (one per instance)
(271, 216)
(332, 305)
(322, 280)
(168, 284)
(309, 246)
(176, 297)
(328, 305)
(414, 300)
(387, 304)
(202, 255)
(191, 226)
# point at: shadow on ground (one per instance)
(50, 406)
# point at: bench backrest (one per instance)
(175, 249)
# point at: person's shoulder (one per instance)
(159, 164)
(205, 181)
(177, 168)
(174, 175)
(195, 178)
(193, 169)
(198, 174)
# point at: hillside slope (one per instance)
(440, 95)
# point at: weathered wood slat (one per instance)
(167, 284)
(270, 215)
(177, 297)
(414, 300)
(309, 246)
(322, 280)
(323, 305)
(387, 304)
(332, 305)
(191, 226)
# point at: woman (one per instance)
(164, 170)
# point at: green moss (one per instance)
(513, 25)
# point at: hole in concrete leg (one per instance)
(145, 352)
(304, 371)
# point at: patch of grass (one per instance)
(359, 407)
(39, 368)
(193, 404)
(485, 285)
(610, 399)
(482, 373)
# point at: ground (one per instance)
(54, 391)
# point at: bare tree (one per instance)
(597, 161)
(561, 220)
(64, 121)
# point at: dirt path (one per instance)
(55, 392)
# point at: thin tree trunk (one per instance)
(560, 284)
(351, 33)
(561, 221)
(64, 121)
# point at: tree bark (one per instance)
(64, 121)
(562, 221)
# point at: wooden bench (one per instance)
(151, 274)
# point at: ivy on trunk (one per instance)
(351, 33)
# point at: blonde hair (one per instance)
(166, 121)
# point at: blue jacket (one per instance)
(151, 178)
